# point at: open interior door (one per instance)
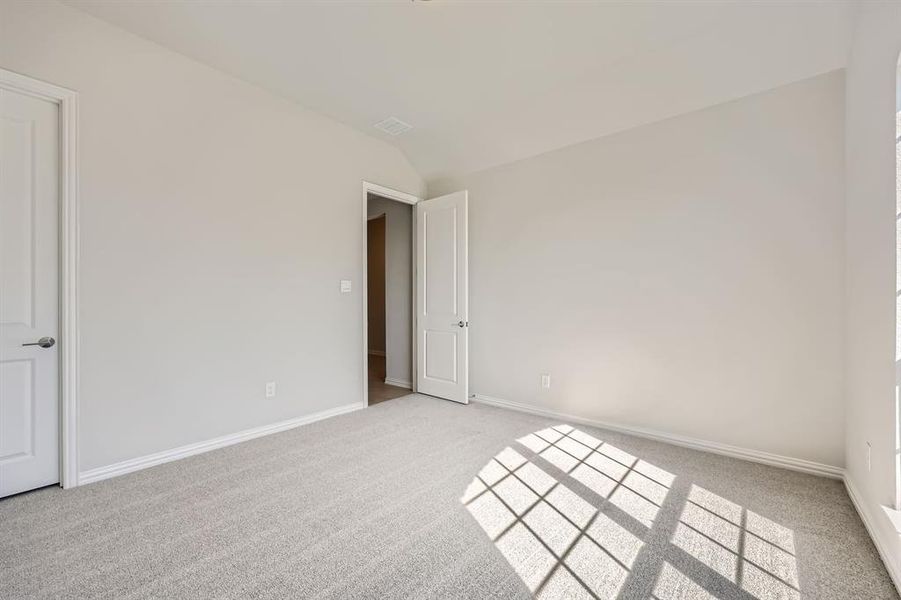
(442, 297)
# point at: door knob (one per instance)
(462, 324)
(44, 342)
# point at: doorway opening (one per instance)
(389, 298)
(426, 295)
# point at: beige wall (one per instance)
(685, 276)
(871, 318)
(216, 223)
(399, 285)
(375, 281)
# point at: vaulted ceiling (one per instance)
(487, 83)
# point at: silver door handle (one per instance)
(462, 324)
(44, 342)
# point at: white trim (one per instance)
(774, 460)
(68, 261)
(151, 460)
(402, 383)
(384, 192)
(879, 535)
(376, 353)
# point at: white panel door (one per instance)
(442, 297)
(29, 379)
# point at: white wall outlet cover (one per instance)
(270, 389)
(546, 381)
(346, 286)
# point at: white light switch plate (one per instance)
(346, 286)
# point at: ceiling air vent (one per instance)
(393, 126)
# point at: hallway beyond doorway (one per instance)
(379, 391)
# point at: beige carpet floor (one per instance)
(421, 498)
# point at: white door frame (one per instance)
(67, 100)
(390, 194)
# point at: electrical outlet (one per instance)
(869, 457)
(270, 389)
(546, 382)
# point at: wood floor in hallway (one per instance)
(379, 391)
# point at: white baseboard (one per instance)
(151, 460)
(879, 535)
(399, 383)
(377, 352)
(774, 460)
